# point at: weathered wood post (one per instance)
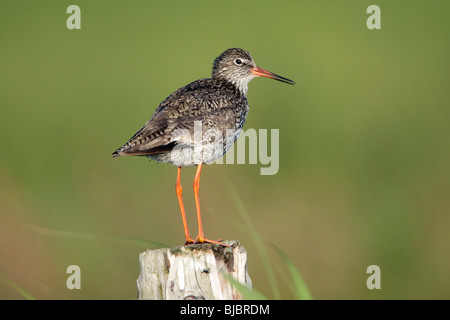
(193, 272)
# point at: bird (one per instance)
(198, 124)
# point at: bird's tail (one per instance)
(116, 153)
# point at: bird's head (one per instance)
(237, 66)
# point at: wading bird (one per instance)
(216, 108)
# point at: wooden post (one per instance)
(193, 272)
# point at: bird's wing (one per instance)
(173, 122)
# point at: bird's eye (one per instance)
(238, 61)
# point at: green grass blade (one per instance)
(85, 236)
(301, 291)
(247, 293)
(256, 238)
(21, 291)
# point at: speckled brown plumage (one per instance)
(216, 103)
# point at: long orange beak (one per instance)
(260, 72)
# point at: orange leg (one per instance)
(179, 190)
(201, 237)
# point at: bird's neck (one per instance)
(239, 83)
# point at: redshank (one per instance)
(199, 122)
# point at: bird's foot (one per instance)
(189, 241)
(204, 240)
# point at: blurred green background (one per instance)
(364, 143)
